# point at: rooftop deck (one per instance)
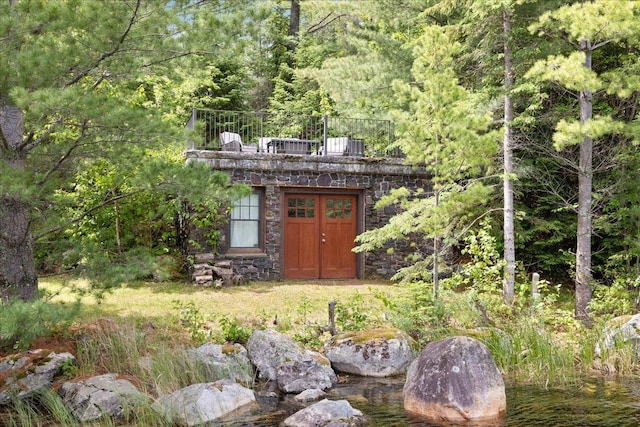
(283, 133)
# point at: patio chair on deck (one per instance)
(230, 141)
(336, 146)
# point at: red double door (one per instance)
(319, 233)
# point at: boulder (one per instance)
(229, 361)
(102, 395)
(203, 403)
(268, 349)
(299, 375)
(279, 358)
(310, 395)
(455, 380)
(622, 329)
(338, 413)
(28, 374)
(371, 353)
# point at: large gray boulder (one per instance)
(278, 358)
(333, 413)
(229, 361)
(620, 330)
(455, 380)
(102, 395)
(269, 349)
(204, 403)
(371, 353)
(300, 375)
(28, 374)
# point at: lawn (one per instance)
(289, 301)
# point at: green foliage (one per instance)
(69, 369)
(529, 354)
(232, 331)
(354, 314)
(416, 312)
(193, 320)
(200, 326)
(309, 335)
(304, 330)
(21, 323)
(484, 272)
(617, 299)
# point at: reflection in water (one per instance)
(596, 403)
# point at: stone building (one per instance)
(308, 204)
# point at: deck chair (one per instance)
(264, 145)
(230, 141)
(355, 147)
(336, 146)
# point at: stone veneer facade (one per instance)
(275, 174)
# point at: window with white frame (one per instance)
(244, 224)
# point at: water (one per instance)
(596, 403)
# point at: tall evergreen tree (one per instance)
(446, 128)
(71, 78)
(587, 26)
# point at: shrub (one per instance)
(22, 322)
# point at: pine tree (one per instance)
(75, 82)
(447, 129)
(587, 26)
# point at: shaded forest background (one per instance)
(94, 97)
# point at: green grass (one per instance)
(155, 301)
(542, 345)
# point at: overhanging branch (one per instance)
(84, 214)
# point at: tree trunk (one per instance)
(17, 266)
(294, 18)
(507, 148)
(585, 176)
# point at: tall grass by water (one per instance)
(535, 342)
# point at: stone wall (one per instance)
(276, 173)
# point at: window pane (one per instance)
(244, 234)
(244, 226)
(254, 212)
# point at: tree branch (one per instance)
(323, 23)
(79, 76)
(84, 214)
(64, 157)
(29, 143)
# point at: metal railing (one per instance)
(286, 133)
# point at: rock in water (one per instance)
(338, 413)
(455, 380)
(371, 353)
(204, 403)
